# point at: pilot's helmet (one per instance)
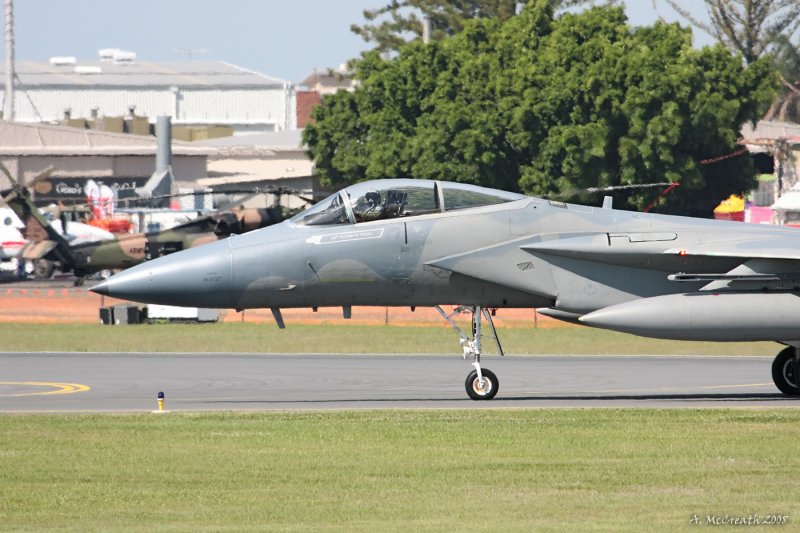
(373, 197)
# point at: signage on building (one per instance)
(73, 190)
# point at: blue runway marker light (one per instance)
(160, 404)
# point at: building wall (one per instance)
(90, 166)
(131, 165)
(239, 106)
(188, 168)
(306, 102)
(44, 105)
(127, 171)
(247, 110)
(790, 173)
(96, 166)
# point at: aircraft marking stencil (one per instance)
(333, 238)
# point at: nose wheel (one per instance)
(481, 383)
(482, 387)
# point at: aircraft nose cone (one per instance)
(197, 277)
(101, 288)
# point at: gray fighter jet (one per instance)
(428, 243)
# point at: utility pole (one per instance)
(426, 29)
(8, 101)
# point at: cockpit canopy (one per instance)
(386, 199)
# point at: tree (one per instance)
(749, 27)
(548, 105)
(390, 26)
(754, 29)
(787, 60)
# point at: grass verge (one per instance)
(304, 338)
(531, 470)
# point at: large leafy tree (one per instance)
(393, 25)
(549, 105)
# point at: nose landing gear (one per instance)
(481, 383)
(481, 386)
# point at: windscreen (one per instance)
(462, 196)
(327, 212)
(387, 199)
(381, 200)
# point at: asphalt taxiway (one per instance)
(55, 382)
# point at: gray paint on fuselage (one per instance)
(415, 260)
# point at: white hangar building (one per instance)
(193, 93)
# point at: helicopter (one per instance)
(50, 250)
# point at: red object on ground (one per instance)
(738, 216)
(114, 225)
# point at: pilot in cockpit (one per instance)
(372, 209)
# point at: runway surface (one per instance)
(130, 382)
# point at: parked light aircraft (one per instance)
(428, 243)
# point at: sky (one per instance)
(285, 39)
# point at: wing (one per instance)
(676, 256)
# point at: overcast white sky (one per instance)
(285, 39)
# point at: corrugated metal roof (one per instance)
(43, 139)
(182, 74)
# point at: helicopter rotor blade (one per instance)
(41, 176)
(7, 173)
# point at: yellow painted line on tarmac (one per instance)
(60, 388)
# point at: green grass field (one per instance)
(345, 338)
(387, 470)
(390, 470)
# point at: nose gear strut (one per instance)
(481, 383)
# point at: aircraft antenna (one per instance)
(190, 52)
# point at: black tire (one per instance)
(783, 372)
(473, 386)
(43, 269)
